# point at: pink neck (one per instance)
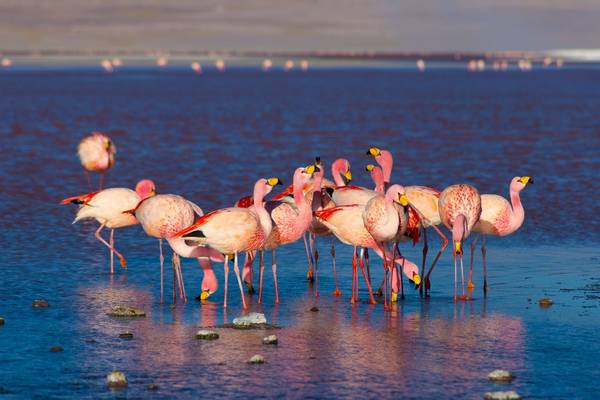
(518, 213)
(259, 195)
(298, 184)
(336, 170)
(377, 176)
(317, 181)
(458, 228)
(386, 161)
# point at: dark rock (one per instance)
(152, 386)
(315, 309)
(126, 335)
(205, 334)
(124, 311)
(1, 321)
(545, 302)
(56, 349)
(40, 304)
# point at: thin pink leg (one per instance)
(274, 268)
(162, 271)
(112, 253)
(308, 249)
(386, 304)
(101, 181)
(181, 283)
(248, 272)
(174, 278)
(226, 273)
(313, 245)
(362, 268)
(352, 301)
(337, 292)
(437, 257)
(425, 250)
(462, 276)
(397, 250)
(89, 181)
(236, 268)
(483, 254)
(366, 258)
(101, 239)
(261, 262)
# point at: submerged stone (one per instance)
(249, 320)
(56, 349)
(152, 386)
(271, 339)
(545, 302)
(256, 359)
(116, 379)
(500, 375)
(314, 309)
(124, 311)
(509, 395)
(40, 303)
(1, 321)
(205, 334)
(126, 335)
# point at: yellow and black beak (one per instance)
(274, 181)
(369, 167)
(108, 144)
(374, 151)
(311, 169)
(153, 192)
(457, 247)
(402, 200)
(526, 179)
(348, 175)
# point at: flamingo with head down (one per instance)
(233, 230)
(97, 154)
(107, 207)
(460, 209)
(498, 218)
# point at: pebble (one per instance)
(152, 386)
(126, 335)
(510, 395)
(271, 339)
(249, 320)
(500, 375)
(40, 304)
(124, 311)
(314, 309)
(256, 359)
(545, 302)
(207, 335)
(1, 321)
(56, 349)
(116, 379)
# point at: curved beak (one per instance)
(274, 181)
(457, 247)
(204, 295)
(348, 175)
(403, 200)
(373, 151)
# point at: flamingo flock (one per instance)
(376, 220)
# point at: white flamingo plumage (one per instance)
(97, 154)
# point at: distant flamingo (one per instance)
(498, 218)
(97, 154)
(164, 215)
(460, 209)
(233, 230)
(107, 207)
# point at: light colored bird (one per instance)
(460, 209)
(161, 217)
(109, 207)
(498, 218)
(97, 154)
(234, 230)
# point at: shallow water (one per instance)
(208, 138)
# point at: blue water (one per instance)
(209, 138)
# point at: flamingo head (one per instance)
(271, 183)
(377, 177)
(398, 194)
(382, 157)
(518, 183)
(105, 141)
(145, 188)
(459, 233)
(342, 166)
(411, 271)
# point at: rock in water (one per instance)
(545, 302)
(124, 311)
(271, 339)
(40, 304)
(152, 386)
(207, 335)
(116, 379)
(256, 359)
(126, 335)
(500, 375)
(249, 320)
(510, 395)
(56, 349)
(314, 309)
(1, 321)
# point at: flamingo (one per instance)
(107, 207)
(498, 218)
(423, 211)
(346, 223)
(460, 209)
(233, 230)
(97, 154)
(290, 222)
(164, 215)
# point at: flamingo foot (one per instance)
(394, 298)
(310, 276)
(463, 298)
(337, 293)
(470, 284)
(379, 292)
(123, 262)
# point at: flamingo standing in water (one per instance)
(164, 215)
(107, 207)
(460, 209)
(97, 154)
(498, 218)
(233, 230)
(423, 211)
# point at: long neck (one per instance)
(336, 173)
(377, 176)
(518, 213)
(386, 162)
(263, 215)
(458, 228)
(317, 181)
(299, 198)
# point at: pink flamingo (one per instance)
(423, 211)
(290, 222)
(164, 215)
(97, 154)
(107, 207)
(233, 230)
(498, 218)
(460, 209)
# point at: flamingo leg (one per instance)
(226, 277)
(483, 253)
(437, 257)
(313, 244)
(261, 261)
(425, 249)
(101, 181)
(101, 239)
(462, 278)
(386, 305)
(470, 284)
(182, 285)
(236, 268)
(248, 272)
(362, 268)
(366, 258)
(112, 253)
(162, 278)
(274, 268)
(177, 276)
(337, 292)
(89, 181)
(175, 280)
(308, 249)
(353, 274)
(401, 273)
